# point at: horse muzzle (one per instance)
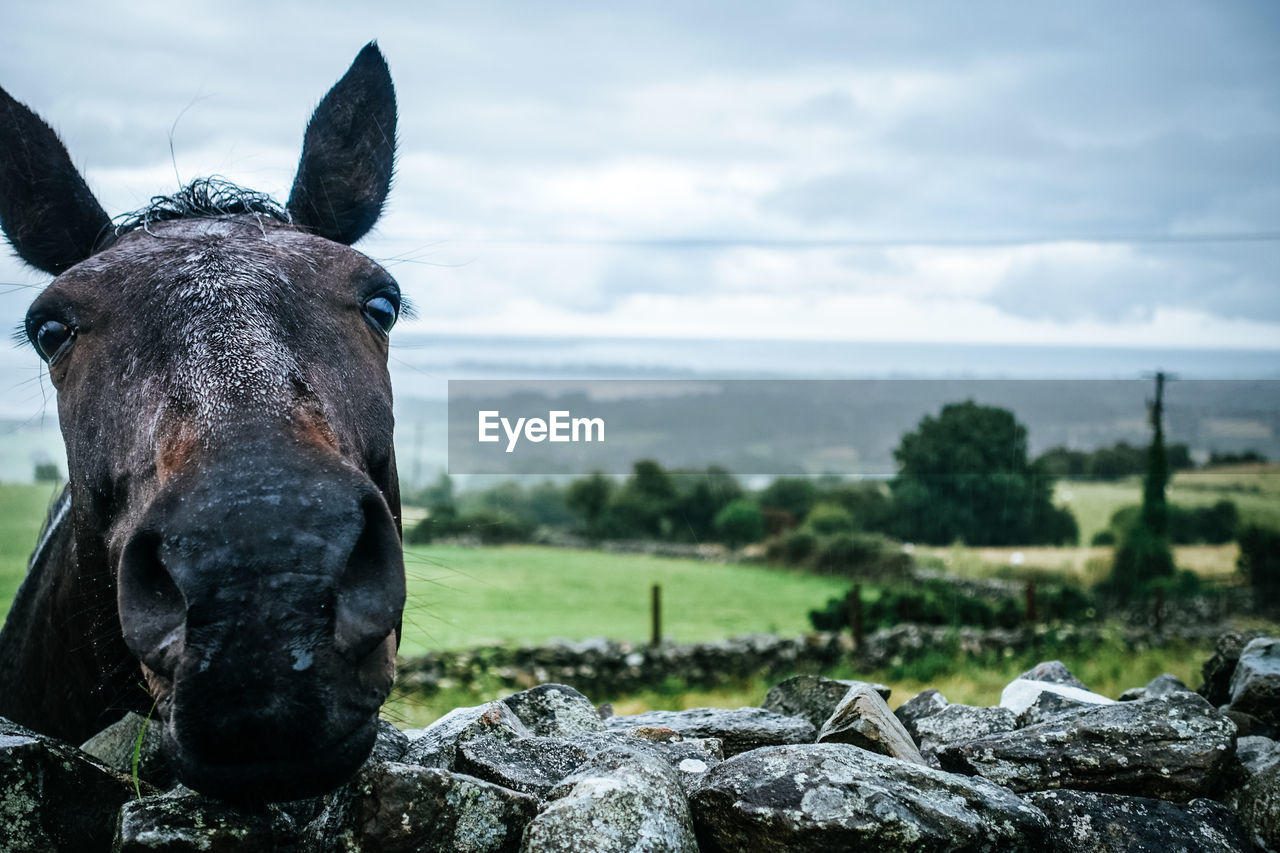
(264, 601)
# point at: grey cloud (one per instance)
(1235, 283)
(1059, 120)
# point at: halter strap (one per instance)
(57, 514)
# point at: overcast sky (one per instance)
(995, 172)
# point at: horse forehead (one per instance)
(222, 287)
(218, 254)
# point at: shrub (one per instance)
(1104, 537)
(441, 520)
(940, 602)
(868, 502)
(798, 546)
(740, 522)
(1057, 526)
(1209, 525)
(1260, 561)
(494, 527)
(1183, 584)
(1218, 523)
(1141, 557)
(47, 472)
(827, 519)
(861, 554)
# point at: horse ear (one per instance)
(46, 209)
(348, 154)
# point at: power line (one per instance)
(793, 244)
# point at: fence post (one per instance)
(655, 637)
(1031, 603)
(854, 602)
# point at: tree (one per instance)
(438, 493)
(700, 495)
(740, 522)
(1065, 462)
(643, 506)
(964, 475)
(792, 495)
(588, 497)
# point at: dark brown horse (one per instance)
(228, 546)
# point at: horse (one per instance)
(226, 555)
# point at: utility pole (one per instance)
(1155, 508)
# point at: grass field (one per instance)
(1255, 489)
(464, 596)
(22, 511)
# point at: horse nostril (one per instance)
(152, 608)
(371, 591)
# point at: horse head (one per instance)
(221, 372)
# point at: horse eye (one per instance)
(51, 337)
(382, 312)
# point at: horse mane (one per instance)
(201, 199)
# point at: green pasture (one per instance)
(1255, 489)
(22, 511)
(465, 596)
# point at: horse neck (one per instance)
(56, 640)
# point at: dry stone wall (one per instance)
(824, 766)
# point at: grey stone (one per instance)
(555, 710)
(114, 746)
(1161, 685)
(54, 797)
(437, 744)
(691, 757)
(395, 808)
(1052, 706)
(1218, 669)
(1246, 724)
(833, 796)
(1255, 798)
(531, 765)
(924, 704)
(1084, 821)
(621, 801)
(1175, 748)
(959, 723)
(1054, 672)
(391, 744)
(739, 729)
(194, 822)
(863, 719)
(813, 697)
(1255, 686)
(1256, 754)
(1021, 693)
